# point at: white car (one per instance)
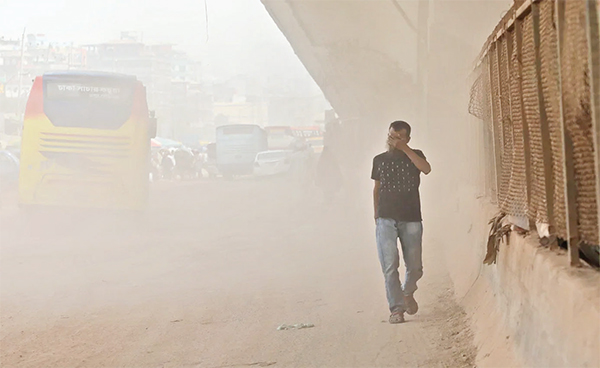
(9, 169)
(272, 162)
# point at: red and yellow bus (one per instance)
(86, 142)
(306, 131)
(313, 136)
(279, 137)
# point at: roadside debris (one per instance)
(256, 364)
(298, 326)
(498, 232)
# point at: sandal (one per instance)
(397, 317)
(411, 304)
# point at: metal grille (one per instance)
(480, 105)
(488, 131)
(551, 94)
(577, 114)
(538, 207)
(507, 128)
(517, 189)
(514, 93)
(496, 120)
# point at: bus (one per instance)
(86, 142)
(306, 131)
(279, 137)
(237, 146)
(313, 135)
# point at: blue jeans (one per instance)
(410, 235)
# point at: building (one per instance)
(172, 79)
(21, 61)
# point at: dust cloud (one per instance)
(247, 207)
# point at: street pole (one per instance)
(19, 104)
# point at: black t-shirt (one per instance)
(399, 191)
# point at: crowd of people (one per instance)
(178, 163)
(307, 168)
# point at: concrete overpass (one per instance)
(367, 58)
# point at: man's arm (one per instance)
(419, 161)
(376, 196)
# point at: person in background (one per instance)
(155, 165)
(184, 163)
(328, 175)
(397, 176)
(198, 163)
(167, 164)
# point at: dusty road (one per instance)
(205, 279)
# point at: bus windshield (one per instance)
(88, 102)
(238, 130)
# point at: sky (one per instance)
(241, 37)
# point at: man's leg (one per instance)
(411, 235)
(387, 248)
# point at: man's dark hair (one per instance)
(401, 125)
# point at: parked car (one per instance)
(9, 169)
(272, 162)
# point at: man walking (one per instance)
(398, 216)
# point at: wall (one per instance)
(530, 304)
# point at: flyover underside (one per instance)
(354, 50)
(363, 54)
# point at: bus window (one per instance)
(238, 129)
(88, 102)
